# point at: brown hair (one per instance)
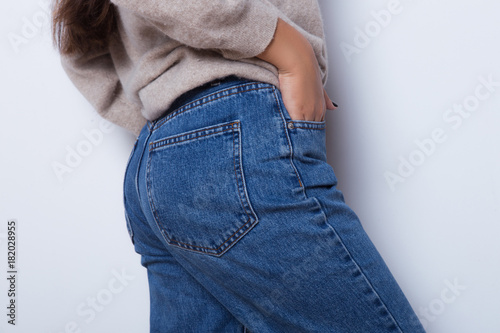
(79, 26)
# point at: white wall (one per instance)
(438, 223)
(435, 225)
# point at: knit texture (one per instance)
(164, 48)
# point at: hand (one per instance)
(299, 74)
(303, 93)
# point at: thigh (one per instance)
(366, 285)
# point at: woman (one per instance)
(229, 199)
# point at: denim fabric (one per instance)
(237, 218)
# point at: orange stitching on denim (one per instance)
(170, 240)
(236, 175)
(150, 196)
(288, 140)
(190, 246)
(190, 105)
(313, 127)
(157, 144)
(208, 248)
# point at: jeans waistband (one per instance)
(199, 92)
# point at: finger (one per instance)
(329, 104)
(323, 116)
(322, 112)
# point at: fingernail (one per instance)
(334, 104)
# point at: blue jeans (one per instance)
(237, 218)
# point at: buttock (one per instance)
(217, 160)
(240, 197)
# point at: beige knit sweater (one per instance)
(163, 48)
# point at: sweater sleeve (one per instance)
(236, 28)
(95, 77)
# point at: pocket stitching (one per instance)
(305, 124)
(194, 247)
(211, 130)
(199, 102)
(282, 110)
(252, 219)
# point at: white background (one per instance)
(437, 225)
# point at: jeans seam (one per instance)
(293, 124)
(164, 142)
(357, 265)
(136, 178)
(191, 247)
(290, 148)
(193, 104)
(244, 203)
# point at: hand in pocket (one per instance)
(299, 73)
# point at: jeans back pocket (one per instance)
(197, 190)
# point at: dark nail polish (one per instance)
(334, 104)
